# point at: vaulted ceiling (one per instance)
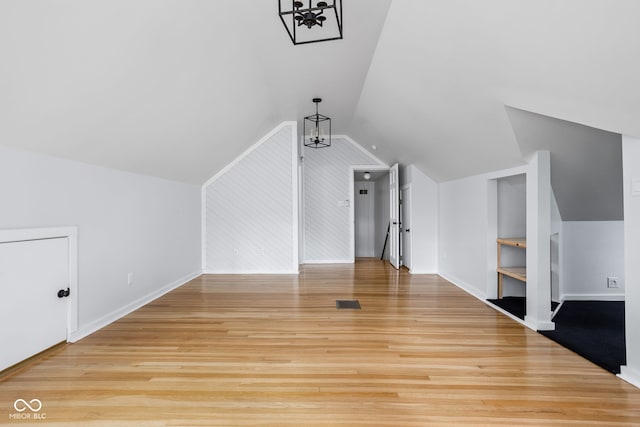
(179, 88)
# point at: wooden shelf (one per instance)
(518, 273)
(519, 242)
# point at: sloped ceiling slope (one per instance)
(170, 88)
(586, 164)
(444, 70)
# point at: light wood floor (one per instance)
(273, 350)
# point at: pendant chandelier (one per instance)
(320, 20)
(318, 128)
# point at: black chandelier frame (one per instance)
(317, 138)
(310, 17)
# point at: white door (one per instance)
(406, 227)
(364, 218)
(33, 317)
(394, 216)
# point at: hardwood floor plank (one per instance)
(274, 350)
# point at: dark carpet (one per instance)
(594, 330)
(514, 305)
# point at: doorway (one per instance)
(364, 218)
(369, 211)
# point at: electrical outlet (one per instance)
(130, 279)
(612, 282)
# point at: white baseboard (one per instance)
(630, 375)
(463, 285)
(274, 272)
(539, 325)
(328, 261)
(592, 297)
(422, 272)
(107, 319)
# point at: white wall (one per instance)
(326, 199)
(252, 209)
(556, 249)
(463, 213)
(591, 251)
(467, 213)
(512, 206)
(424, 221)
(631, 183)
(127, 223)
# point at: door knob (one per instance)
(407, 230)
(63, 293)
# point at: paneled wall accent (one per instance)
(326, 199)
(251, 217)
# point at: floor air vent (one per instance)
(352, 304)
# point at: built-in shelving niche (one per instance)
(511, 227)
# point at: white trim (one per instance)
(295, 207)
(328, 261)
(592, 297)
(492, 234)
(539, 325)
(403, 208)
(361, 148)
(462, 285)
(352, 212)
(422, 271)
(553, 314)
(629, 375)
(301, 206)
(71, 233)
(203, 225)
(129, 308)
(518, 170)
(251, 272)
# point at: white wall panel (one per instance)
(631, 183)
(592, 251)
(463, 214)
(424, 221)
(250, 221)
(326, 198)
